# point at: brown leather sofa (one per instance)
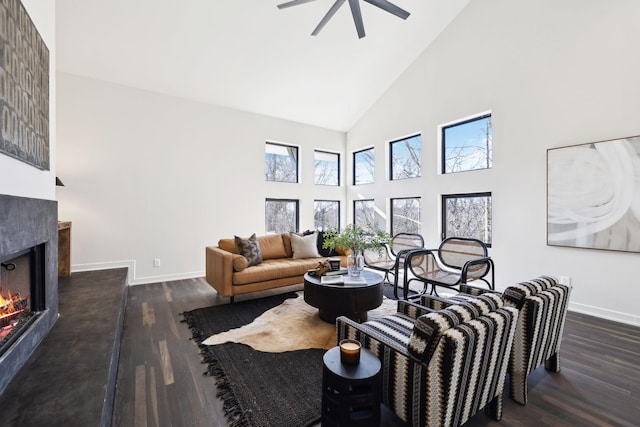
(227, 273)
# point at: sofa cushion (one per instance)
(274, 269)
(286, 240)
(250, 249)
(304, 246)
(228, 245)
(239, 262)
(342, 251)
(272, 246)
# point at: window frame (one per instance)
(391, 214)
(297, 212)
(339, 177)
(355, 163)
(314, 212)
(297, 159)
(443, 213)
(443, 141)
(391, 162)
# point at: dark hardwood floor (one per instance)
(160, 381)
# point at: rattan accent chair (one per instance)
(542, 303)
(390, 258)
(440, 367)
(457, 260)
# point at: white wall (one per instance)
(151, 176)
(18, 178)
(553, 74)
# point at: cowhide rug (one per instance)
(292, 325)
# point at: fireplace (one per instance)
(22, 289)
(28, 279)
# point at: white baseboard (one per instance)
(617, 316)
(129, 264)
(132, 279)
(166, 278)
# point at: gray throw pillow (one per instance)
(249, 249)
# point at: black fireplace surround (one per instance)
(27, 223)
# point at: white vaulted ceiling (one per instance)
(248, 54)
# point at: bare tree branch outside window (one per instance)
(467, 215)
(281, 216)
(281, 162)
(326, 214)
(405, 215)
(364, 167)
(467, 145)
(364, 213)
(326, 168)
(406, 157)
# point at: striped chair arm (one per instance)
(475, 290)
(412, 309)
(370, 338)
(435, 303)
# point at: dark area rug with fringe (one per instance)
(257, 388)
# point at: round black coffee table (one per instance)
(352, 301)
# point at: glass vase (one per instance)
(355, 264)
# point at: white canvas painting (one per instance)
(593, 195)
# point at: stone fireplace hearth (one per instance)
(25, 224)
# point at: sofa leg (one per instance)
(552, 364)
(231, 300)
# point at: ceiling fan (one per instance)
(355, 11)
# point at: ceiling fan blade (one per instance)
(328, 16)
(389, 7)
(357, 17)
(293, 3)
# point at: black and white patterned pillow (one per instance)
(429, 327)
(427, 332)
(250, 249)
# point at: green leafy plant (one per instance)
(356, 239)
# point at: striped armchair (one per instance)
(543, 306)
(440, 367)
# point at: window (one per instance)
(326, 214)
(364, 167)
(467, 215)
(405, 215)
(467, 145)
(281, 162)
(327, 168)
(281, 216)
(406, 158)
(364, 212)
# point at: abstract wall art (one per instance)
(593, 195)
(24, 87)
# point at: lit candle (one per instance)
(350, 352)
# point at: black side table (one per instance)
(351, 393)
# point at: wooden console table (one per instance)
(64, 248)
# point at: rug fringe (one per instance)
(235, 415)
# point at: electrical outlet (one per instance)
(565, 280)
(156, 262)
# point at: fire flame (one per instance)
(11, 304)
